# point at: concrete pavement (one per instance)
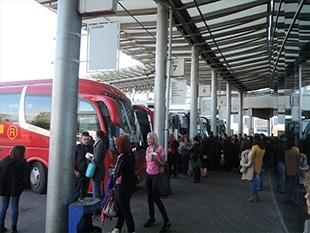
(217, 204)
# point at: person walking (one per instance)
(100, 150)
(258, 151)
(184, 146)
(155, 159)
(125, 180)
(195, 152)
(228, 148)
(173, 155)
(210, 148)
(291, 163)
(14, 178)
(81, 182)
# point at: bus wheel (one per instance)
(38, 178)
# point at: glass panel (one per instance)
(38, 110)
(9, 106)
(87, 119)
(291, 60)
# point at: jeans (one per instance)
(173, 162)
(80, 187)
(259, 180)
(293, 192)
(153, 196)
(14, 209)
(253, 185)
(97, 189)
(185, 163)
(281, 176)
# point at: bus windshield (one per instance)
(127, 124)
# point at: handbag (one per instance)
(197, 164)
(163, 182)
(90, 171)
(109, 208)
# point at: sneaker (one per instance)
(14, 229)
(115, 230)
(166, 227)
(150, 222)
(3, 229)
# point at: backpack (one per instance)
(171, 148)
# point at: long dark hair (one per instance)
(104, 137)
(289, 143)
(257, 140)
(18, 152)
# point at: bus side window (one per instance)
(87, 119)
(38, 110)
(9, 106)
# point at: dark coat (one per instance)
(195, 151)
(14, 176)
(126, 168)
(81, 162)
(100, 151)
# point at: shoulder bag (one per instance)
(90, 170)
(109, 208)
(163, 182)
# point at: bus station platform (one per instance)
(219, 204)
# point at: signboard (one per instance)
(178, 92)
(205, 106)
(97, 6)
(204, 90)
(177, 67)
(103, 40)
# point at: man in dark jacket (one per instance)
(210, 148)
(81, 182)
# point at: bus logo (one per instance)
(12, 132)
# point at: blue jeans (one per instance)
(14, 209)
(97, 189)
(281, 176)
(293, 192)
(80, 187)
(153, 196)
(253, 185)
(259, 180)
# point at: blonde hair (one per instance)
(154, 137)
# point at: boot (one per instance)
(14, 228)
(2, 228)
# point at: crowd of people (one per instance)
(247, 155)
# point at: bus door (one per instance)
(145, 118)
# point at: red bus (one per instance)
(25, 110)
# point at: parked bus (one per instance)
(25, 111)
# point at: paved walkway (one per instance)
(217, 204)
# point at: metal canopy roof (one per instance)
(232, 37)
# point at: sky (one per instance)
(27, 42)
